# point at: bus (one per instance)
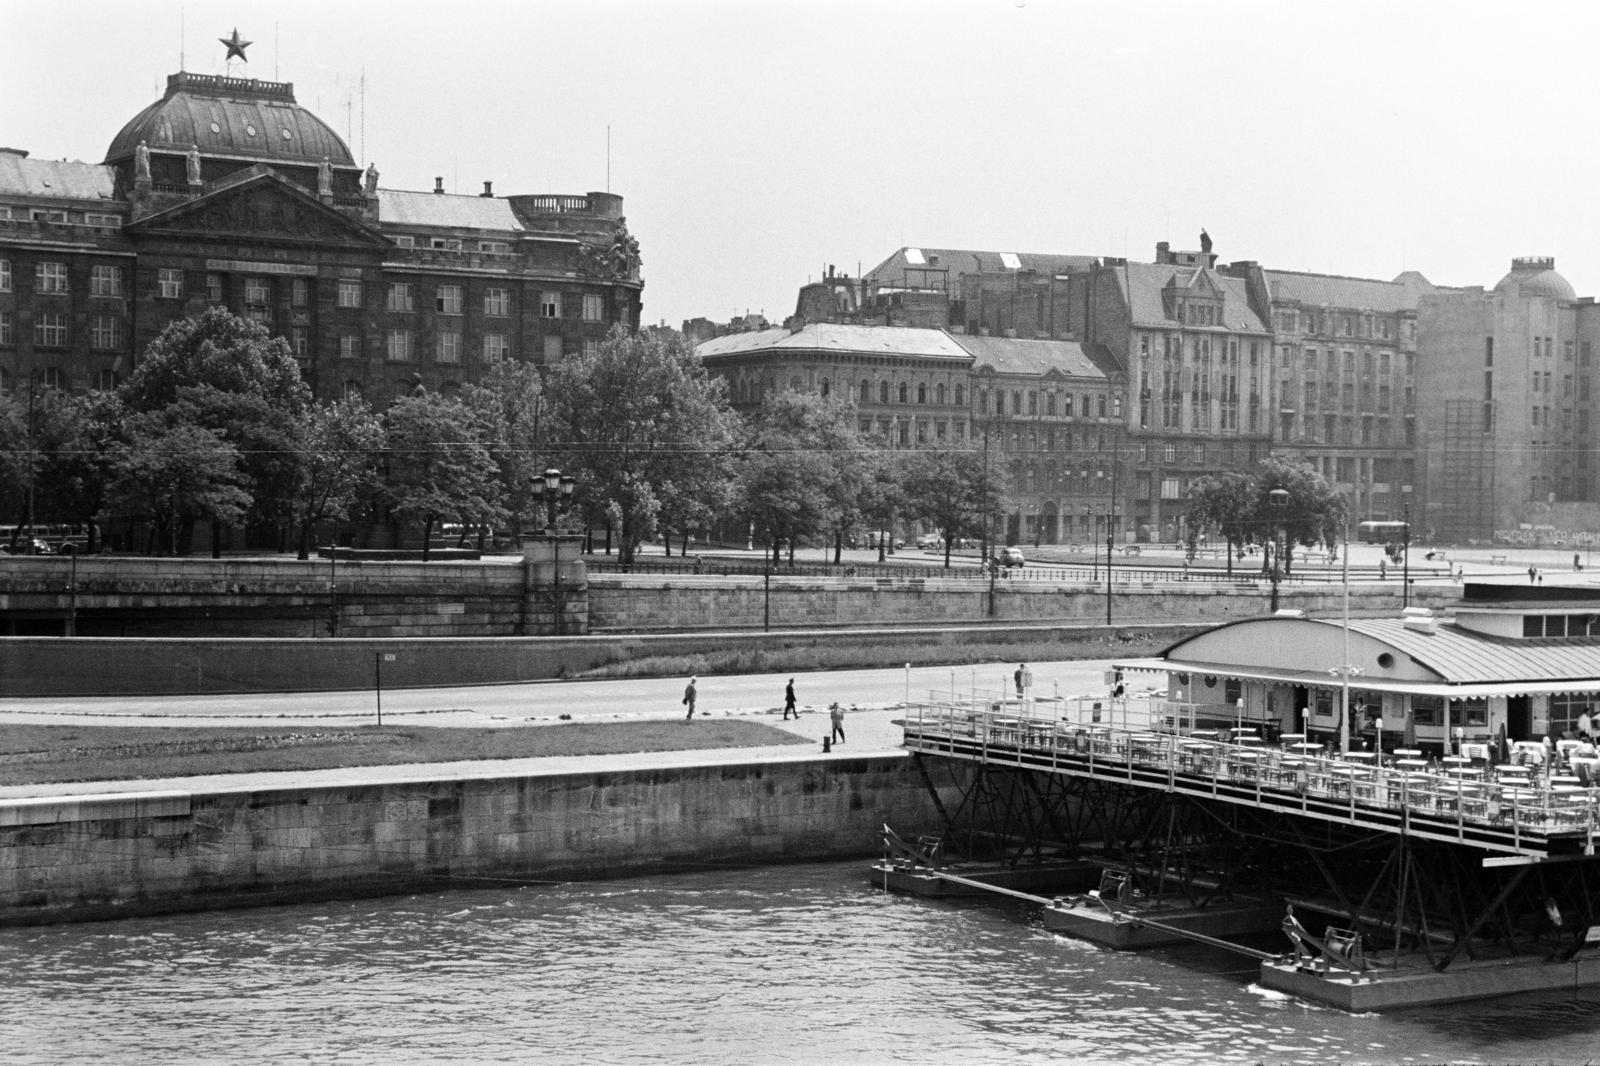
(1381, 532)
(48, 539)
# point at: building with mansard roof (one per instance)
(227, 191)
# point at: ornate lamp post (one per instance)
(553, 489)
(1405, 558)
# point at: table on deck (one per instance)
(1348, 780)
(1408, 753)
(1305, 747)
(1247, 764)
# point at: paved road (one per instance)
(544, 702)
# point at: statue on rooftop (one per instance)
(1205, 242)
(324, 177)
(192, 164)
(372, 180)
(141, 162)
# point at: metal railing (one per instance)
(1146, 742)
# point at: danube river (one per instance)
(798, 964)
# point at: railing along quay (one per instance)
(1066, 573)
(1523, 811)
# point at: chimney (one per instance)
(438, 185)
(1162, 254)
(488, 189)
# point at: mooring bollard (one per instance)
(827, 745)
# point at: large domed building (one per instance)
(226, 191)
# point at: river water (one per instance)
(793, 964)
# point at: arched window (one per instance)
(938, 394)
(352, 389)
(905, 393)
(825, 386)
(922, 393)
(961, 396)
(883, 392)
(866, 391)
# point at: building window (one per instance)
(8, 334)
(495, 247)
(405, 241)
(399, 345)
(106, 380)
(400, 296)
(106, 333)
(592, 311)
(50, 278)
(214, 288)
(550, 304)
(257, 292)
(105, 281)
(349, 293)
(495, 347)
(866, 392)
(905, 393)
(447, 346)
(883, 392)
(102, 221)
(50, 331)
(5, 275)
(263, 315)
(591, 347)
(299, 292)
(1169, 489)
(169, 283)
(447, 300)
(961, 396)
(496, 302)
(552, 349)
(349, 346)
(922, 393)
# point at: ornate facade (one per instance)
(227, 192)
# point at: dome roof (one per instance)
(236, 118)
(1535, 276)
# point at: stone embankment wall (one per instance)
(107, 856)
(95, 666)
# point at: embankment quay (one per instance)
(109, 849)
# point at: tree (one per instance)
(224, 373)
(1224, 503)
(438, 465)
(509, 402)
(167, 472)
(801, 467)
(633, 421)
(1242, 507)
(951, 489)
(340, 445)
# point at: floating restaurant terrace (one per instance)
(1526, 814)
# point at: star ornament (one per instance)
(235, 46)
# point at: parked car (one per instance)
(1009, 557)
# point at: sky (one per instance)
(757, 142)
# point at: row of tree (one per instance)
(216, 426)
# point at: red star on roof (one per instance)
(235, 46)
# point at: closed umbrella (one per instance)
(1410, 731)
(1502, 749)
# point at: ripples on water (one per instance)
(802, 964)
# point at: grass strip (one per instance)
(42, 754)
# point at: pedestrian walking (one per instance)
(688, 700)
(836, 713)
(1532, 573)
(1023, 678)
(788, 702)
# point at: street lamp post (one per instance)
(1279, 501)
(1405, 558)
(554, 490)
(1094, 543)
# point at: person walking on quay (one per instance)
(788, 702)
(688, 700)
(1024, 679)
(836, 713)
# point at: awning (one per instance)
(1476, 690)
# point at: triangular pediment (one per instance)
(259, 206)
